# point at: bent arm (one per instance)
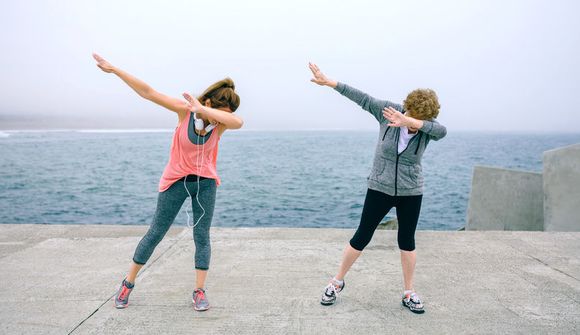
(226, 119)
(367, 102)
(434, 129)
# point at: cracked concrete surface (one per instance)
(59, 279)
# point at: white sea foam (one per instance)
(3, 134)
(124, 130)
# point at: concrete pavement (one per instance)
(58, 279)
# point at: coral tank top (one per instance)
(186, 157)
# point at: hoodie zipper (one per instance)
(397, 159)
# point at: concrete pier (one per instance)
(60, 279)
(504, 199)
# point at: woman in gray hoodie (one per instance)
(396, 179)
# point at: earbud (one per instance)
(210, 127)
(199, 124)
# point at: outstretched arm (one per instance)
(367, 102)
(227, 120)
(173, 104)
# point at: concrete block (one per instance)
(562, 189)
(503, 199)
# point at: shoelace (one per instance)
(415, 299)
(199, 295)
(332, 287)
(124, 292)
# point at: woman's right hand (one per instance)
(103, 64)
(319, 77)
(194, 105)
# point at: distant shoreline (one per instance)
(5, 132)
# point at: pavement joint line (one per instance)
(548, 266)
(553, 268)
(543, 263)
(145, 268)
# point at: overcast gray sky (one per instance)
(496, 65)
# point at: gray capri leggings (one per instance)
(169, 203)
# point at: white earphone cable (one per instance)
(198, 186)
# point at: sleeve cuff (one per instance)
(339, 87)
(427, 126)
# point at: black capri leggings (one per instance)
(377, 205)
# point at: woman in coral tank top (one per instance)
(191, 171)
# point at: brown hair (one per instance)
(221, 94)
(422, 104)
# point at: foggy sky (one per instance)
(496, 65)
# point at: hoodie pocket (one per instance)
(416, 173)
(378, 169)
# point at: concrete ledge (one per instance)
(60, 279)
(503, 199)
(562, 189)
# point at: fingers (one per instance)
(98, 58)
(390, 112)
(387, 113)
(393, 116)
(188, 97)
(312, 68)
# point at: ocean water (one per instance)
(281, 179)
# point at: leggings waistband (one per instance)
(192, 177)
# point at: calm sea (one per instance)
(282, 179)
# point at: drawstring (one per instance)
(385, 133)
(418, 142)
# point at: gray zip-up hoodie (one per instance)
(393, 173)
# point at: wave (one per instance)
(92, 131)
(6, 133)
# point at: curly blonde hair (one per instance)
(422, 104)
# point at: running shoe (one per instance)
(331, 291)
(413, 303)
(122, 296)
(200, 302)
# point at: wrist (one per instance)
(409, 122)
(415, 123)
(198, 110)
(332, 83)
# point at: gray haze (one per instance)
(496, 65)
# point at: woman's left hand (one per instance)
(396, 118)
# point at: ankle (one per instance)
(338, 281)
(128, 283)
